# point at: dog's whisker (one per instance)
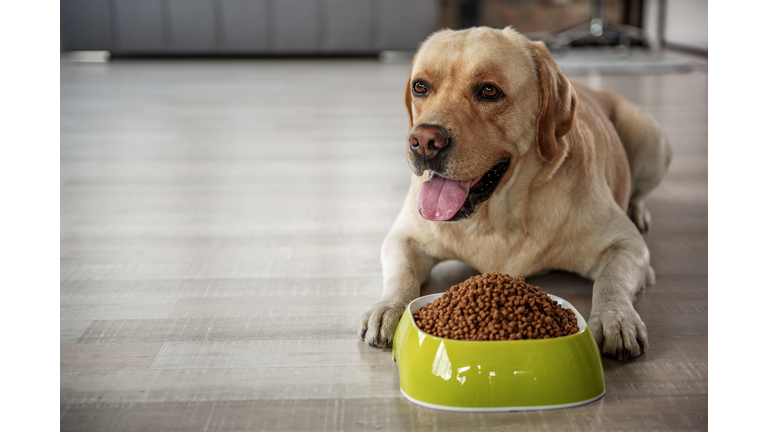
(485, 159)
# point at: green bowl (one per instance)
(497, 375)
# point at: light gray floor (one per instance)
(220, 229)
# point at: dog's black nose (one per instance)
(428, 140)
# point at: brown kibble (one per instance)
(495, 306)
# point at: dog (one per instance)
(520, 171)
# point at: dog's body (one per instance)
(519, 171)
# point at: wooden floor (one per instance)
(220, 230)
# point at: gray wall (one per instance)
(686, 24)
(246, 26)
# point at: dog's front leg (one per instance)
(620, 274)
(406, 265)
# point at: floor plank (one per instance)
(656, 412)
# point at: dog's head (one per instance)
(479, 100)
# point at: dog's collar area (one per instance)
(482, 190)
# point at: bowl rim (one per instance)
(500, 409)
(429, 298)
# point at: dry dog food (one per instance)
(495, 306)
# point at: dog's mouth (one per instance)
(442, 199)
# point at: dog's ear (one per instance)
(558, 103)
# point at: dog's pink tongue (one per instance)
(441, 198)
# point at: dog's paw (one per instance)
(619, 334)
(378, 325)
(640, 216)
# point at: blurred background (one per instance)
(334, 27)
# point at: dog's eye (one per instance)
(419, 87)
(490, 91)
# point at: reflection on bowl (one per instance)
(497, 375)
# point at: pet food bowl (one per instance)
(513, 375)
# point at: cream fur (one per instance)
(570, 213)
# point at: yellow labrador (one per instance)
(518, 170)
